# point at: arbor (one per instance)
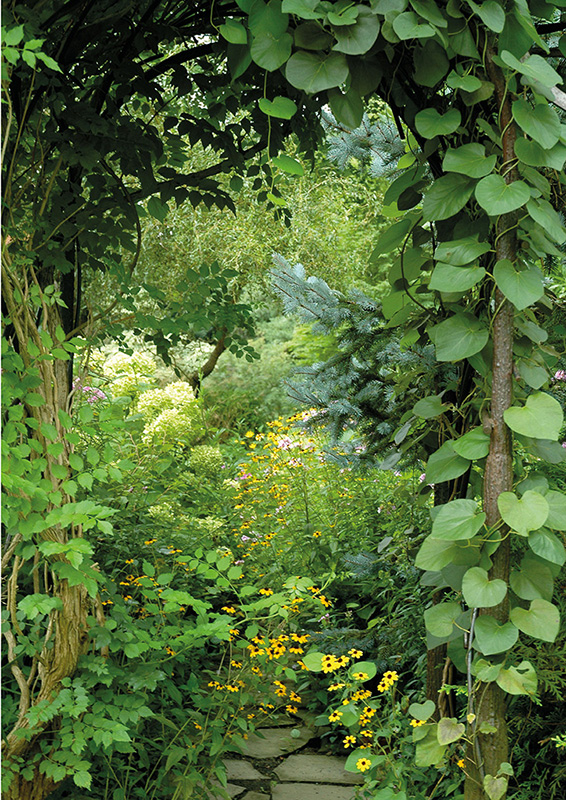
(478, 88)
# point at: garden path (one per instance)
(283, 766)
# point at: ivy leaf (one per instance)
(472, 445)
(468, 83)
(408, 26)
(422, 711)
(534, 155)
(269, 51)
(547, 545)
(313, 662)
(540, 418)
(347, 108)
(541, 621)
(479, 591)
(234, 32)
(428, 750)
(447, 196)
(439, 619)
(494, 787)
(532, 581)
(485, 671)
(302, 8)
(457, 520)
(430, 407)
(280, 107)
(289, 165)
(357, 38)
(392, 237)
(310, 36)
(524, 514)
(490, 13)
(534, 67)
(521, 679)
(491, 638)
(459, 336)
(445, 464)
(469, 159)
(543, 213)
(446, 278)
(522, 287)
(449, 730)
(556, 510)
(497, 197)
(461, 251)
(314, 72)
(430, 123)
(541, 123)
(430, 62)
(435, 554)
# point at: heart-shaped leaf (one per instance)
(289, 165)
(459, 336)
(524, 514)
(347, 108)
(450, 730)
(408, 26)
(270, 51)
(533, 580)
(457, 520)
(485, 671)
(430, 123)
(498, 197)
(314, 72)
(490, 13)
(469, 159)
(439, 619)
(556, 510)
(548, 546)
(522, 287)
(491, 638)
(234, 32)
(428, 750)
(460, 251)
(479, 591)
(445, 464)
(521, 679)
(548, 219)
(540, 122)
(446, 278)
(357, 38)
(280, 107)
(541, 621)
(429, 407)
(472, 445)
(495, 788)
(436, 554)
(447, 196)
(540, 418)
(422, 711)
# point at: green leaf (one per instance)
(491, 638)
(485, 671)
(449, 730)
(280, 107)
(446, 278)
(479, 591)
(490, 13)
(533, 581)
(34, 605)
(459, 336)
(540, 122)
(428, 407)
(435, 554)
(540, 418)
(556, 510)
(457, 520)
(535, 67)
(357, 38)
(521, 679)
(498, 197)
(310, 36)
(494, 787)
(430, 123)
(234, 32)
(548, 546)
(289, 165)
(428, 750)
(469, 159)
(460, 251)
(532, 373)
(468, 83)
(271, 51)
(392, 237)
(367, 667)
(543, 213)
(422, 711)
(524, 514)
(445, 464)
(313, 661)
(472, 445)
(347, 108)
(534, 155)
(440, 618)
(541, 621)
(12, 36)
(158, 210)
(314, 72)
(522, 287)
(409, 26)
(430, 62)
(447, 196)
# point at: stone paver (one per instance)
(256, 796)
(316, 769)
(237, 770)
(277, 742)
(310, 791)
(231, 788)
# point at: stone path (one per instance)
(271, 769)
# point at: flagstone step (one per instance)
(311, 791)
(277, 742)
(238, 770)
(316, 769)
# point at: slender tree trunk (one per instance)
(489, 750)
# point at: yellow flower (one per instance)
(360, 676)
(291, 709)
(461, 763)
(228, 609)
(349, 741)
(335, 716)
(390, 676)
(329, 663)
(355, 653)
(416, 723)
(335, 686)
(236, 664)
(266, 592)
(363, 764)
(249, 434)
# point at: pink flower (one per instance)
(560, 375)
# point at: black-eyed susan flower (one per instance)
(363, 764)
